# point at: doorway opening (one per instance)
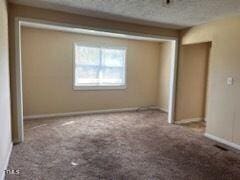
(22, 22)
(193, 87)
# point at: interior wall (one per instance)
(5, 112)
(192, 80)
(47, 59)
(66, 18)
(223, 115)
(167, 55)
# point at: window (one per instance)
(99, 67)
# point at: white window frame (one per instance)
(100, 87)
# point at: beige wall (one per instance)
(5, 117)
(166, 56)
(223, 114)
(47, 58)
(192, 80)
(67, 18)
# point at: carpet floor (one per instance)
(124, 146)
(199, 126)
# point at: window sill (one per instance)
(89, 88)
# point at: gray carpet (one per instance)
(124, 146)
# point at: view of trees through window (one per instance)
(99, 66)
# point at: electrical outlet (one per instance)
(229, 81)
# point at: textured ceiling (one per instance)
(179, 14)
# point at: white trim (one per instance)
(163, 109)
(44, 24)
(183, 121)
(223, 141)
(6, 161)
(18, 76)
(173, 84)
(20, 21)
(100, 87)
(40, 116)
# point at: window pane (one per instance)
(113, 57)
(87, 55)
(112, 76)
(86, 75)
(96, 66)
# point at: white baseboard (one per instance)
(163, 109)
(183, 121)
(223, 141)
(79, 113)
(2, 177)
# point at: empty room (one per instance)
(120, 89)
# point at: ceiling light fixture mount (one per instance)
(167, 3)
